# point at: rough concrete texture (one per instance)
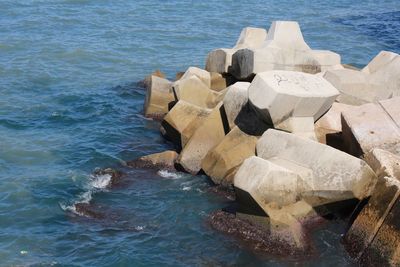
(372, 126)
(181, 121)
(158, 95)
(379, 80)
(234, 100)
(383, 163)
(284, 49)
(194, 91)
(374, 237)
(224, 158)
(209, 133)
(279, 95)
(220, 60)
(328, 175)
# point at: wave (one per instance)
(96, 183)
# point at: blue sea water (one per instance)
(69, 104)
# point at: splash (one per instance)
(169, 175)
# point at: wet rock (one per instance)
(158, 95)
(207, 135)
(374, 237)
(224, 158)
(258, 237)
(181, 122)
(220, 60)
(234, 100)
(116, 175)
(163, 160)
(283, 49)
(88, 210)
(372, 126)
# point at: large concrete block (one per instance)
(383, 163)
(181, 121)
(379, 80)
(330, 123)
(235, 99)
(220, 60)
(284, 49)
(374, 236)
(279, 95)
(372, 126)
(203, 75)
(194, 91)
(333, 175)
(224, 158)
(208, 134)
(158, 95)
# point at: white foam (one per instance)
(186, 188)
(169, 175)
(100, 181)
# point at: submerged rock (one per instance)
(163, 160)
(115, 178)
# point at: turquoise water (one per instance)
(69, 104)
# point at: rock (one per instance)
(219, 60)
(235, 99)
(115, 176)
(330, 123)
(218, 82)
(182, 120)
(283, 49)
(158, 95)
(379, 80)
(279, 96)
(327, 174)
(372, 126)
(207, 135)
(162, 160)
(203, 75)
(224, 158)
(383, 163)
(374, 237)
(194, 91)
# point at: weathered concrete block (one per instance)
(220, 60)
(374, 236)
(383, 163)
(208, 134)
(279, 95)
(235, 99)
(372, 126)
(379, 80)
(194, 91)
(181, 121)
(158, 95)
(203, 75)
(234, 148)
(331, 175)
(162, 160)
(330, 123)
(284, 49)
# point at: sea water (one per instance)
(69, 104)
